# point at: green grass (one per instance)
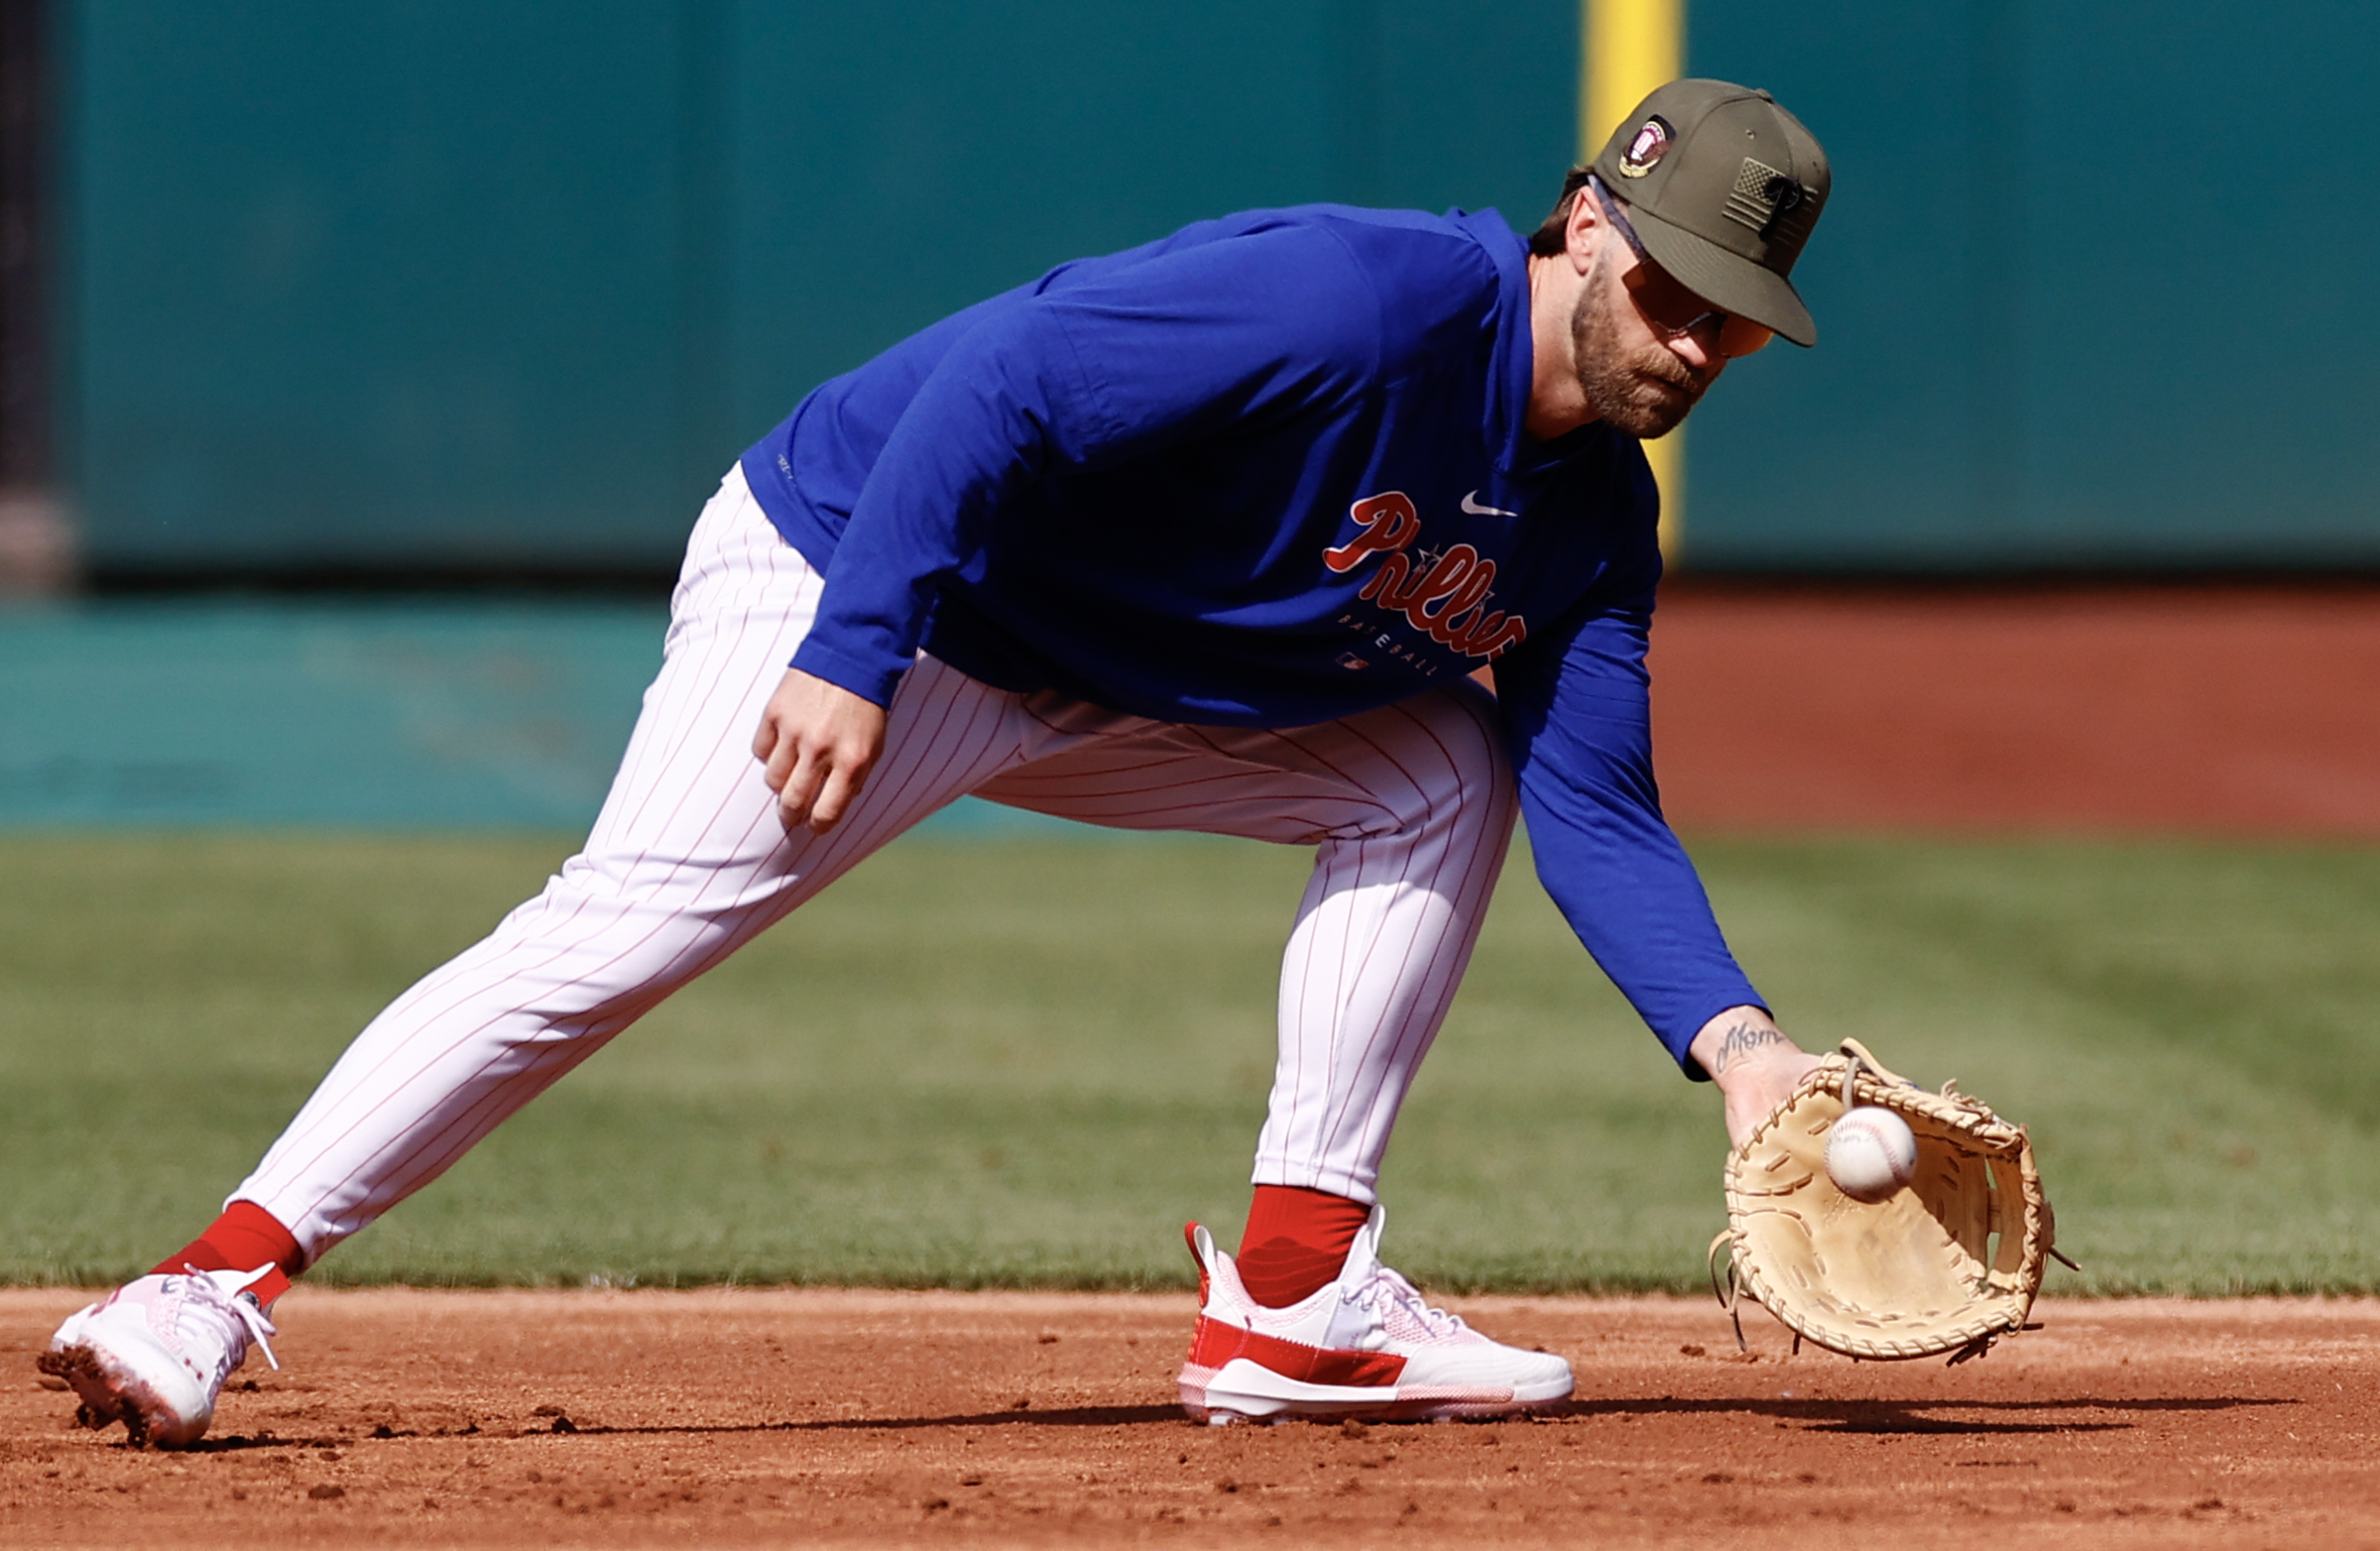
(1013, 1064)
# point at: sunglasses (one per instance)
(1674, 311)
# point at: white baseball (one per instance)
(1871, 1154)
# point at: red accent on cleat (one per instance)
(1216, 1342)
(1190, 1238)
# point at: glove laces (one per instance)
(223, 1302)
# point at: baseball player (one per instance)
(1209, 534)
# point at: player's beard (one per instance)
(1643, 391)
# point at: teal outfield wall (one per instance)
(2092, 290)
(498, 284)
(336, 714)
(490, 282)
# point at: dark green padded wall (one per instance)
(374, 281)
(444, 282)
(429, 282)
(2092, 290)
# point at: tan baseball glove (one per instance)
(1947, 1263)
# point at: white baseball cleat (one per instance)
(154, 1354)
(1367, 1346)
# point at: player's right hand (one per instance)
(818, 741)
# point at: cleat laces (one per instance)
(244, 1319)
(1387, 1293)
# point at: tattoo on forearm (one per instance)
(1741, 1040)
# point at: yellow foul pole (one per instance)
(1631, 47)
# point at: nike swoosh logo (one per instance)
(1470, 503)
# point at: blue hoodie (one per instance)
(1268, 471)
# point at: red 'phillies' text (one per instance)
(1447, 599)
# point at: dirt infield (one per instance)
(2233, 711)
(794, 1417)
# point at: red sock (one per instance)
(1296, 1242)
(244, 1237)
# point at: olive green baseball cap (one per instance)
(1723, 188)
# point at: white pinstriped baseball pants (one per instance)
(1410, 809)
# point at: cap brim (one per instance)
(1728, 281)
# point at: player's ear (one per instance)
(1584, 229)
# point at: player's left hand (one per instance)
(818, 741)
(1754, 1065)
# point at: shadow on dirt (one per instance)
(497, 1432)
(1910, 1416)
(2070, 1415)
(1015, 1416)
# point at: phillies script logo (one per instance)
(1443, 595)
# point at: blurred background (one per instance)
(363, 365)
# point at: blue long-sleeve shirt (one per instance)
(1268, 471)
